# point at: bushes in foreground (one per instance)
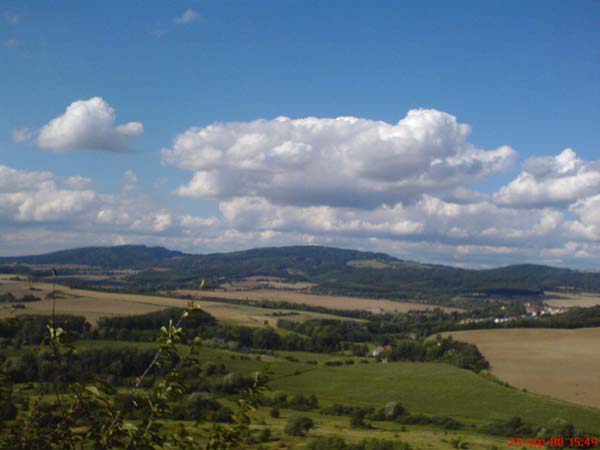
(337, 443)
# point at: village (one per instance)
(532, 310)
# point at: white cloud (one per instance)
(13, 180)
(340, 162)
(588, 212)
(430, 220)
(551, 182)
(197, 222)
(35, 197)
(162, 221)
(88, 124)
(187, 17)
(78, 182)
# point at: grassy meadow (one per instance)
(429, 388)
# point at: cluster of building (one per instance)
(543, 310)
(531, 310)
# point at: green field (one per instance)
(429, 388)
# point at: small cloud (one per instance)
(21, 135)
(87, 125)
(11, 18)
(187, 17)
(11, 43)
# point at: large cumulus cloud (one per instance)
(341, 162)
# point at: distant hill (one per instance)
(333, 270)
(356, 273)
(117, 257)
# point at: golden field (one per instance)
(327, 301)
(568, 300)
(94, 304)
(561, 363)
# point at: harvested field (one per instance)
(567, 300)
(327, 301)
(93, 305)
(560, 363)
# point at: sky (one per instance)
(463, 133)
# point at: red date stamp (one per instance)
(559, 442)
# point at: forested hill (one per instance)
(333, 270)
(117, 257)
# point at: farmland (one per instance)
(572, 300)
(560, 363)
(327, 301)
(94, 304)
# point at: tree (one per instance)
(298, 425)
(393, 410)
(357, 418)
(266, 338)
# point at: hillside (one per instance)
(117, 257)
(332, 270)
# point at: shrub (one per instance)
(393, 410)
(334, 363)
(298, 426)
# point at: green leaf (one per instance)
(129, 426)
(94, 390)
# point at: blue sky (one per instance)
(520, 74)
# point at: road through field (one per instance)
(561, 363)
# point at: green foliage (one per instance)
(337, 443)
(298, 425)
(394, 410)
(458, 443)
(91, 414)
(357, 418)
(32, 329)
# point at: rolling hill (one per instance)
(117, 257)
(333, 270)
